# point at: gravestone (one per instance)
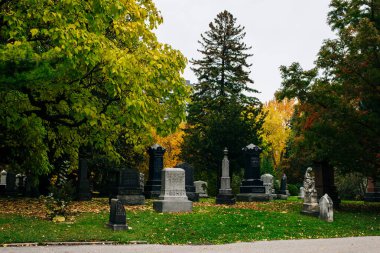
(10, 188)
(118, 220)
(156, 164)
(326, 211)
(173, 193)
(310, 203)
(302, 193)
(252, 187)
(283, 193)
(373, 191)
(83, 190)
(189, 181)
(3, 181)
(201, 188)
(130, 191)
(20, 183)
(268, 184)
(225, 195)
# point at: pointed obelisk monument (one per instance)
(225, 195)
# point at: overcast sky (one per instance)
(279, 31)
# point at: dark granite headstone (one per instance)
(130, 191)
(283, 185)
(83, 182)
(252, 187)
(10, 188)
(152, 187)
(118, 220)
(189, 181)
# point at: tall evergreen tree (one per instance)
(221, 113)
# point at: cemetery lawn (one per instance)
(21, 220)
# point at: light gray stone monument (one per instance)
(201, 188)
(302, 193)
(3, 177)
(326, 211)
(268, 183)
(173, 193)
(225, 195)
(310, 203)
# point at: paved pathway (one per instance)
(369, 244)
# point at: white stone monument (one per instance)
(302, 193)
(326, 211)
(3, 177)
(201, 188)
(268, 183)
(173, 193)
(225, 195)
(310, 202)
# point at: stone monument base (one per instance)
(132, 199)
(169, 206)
(192, 196)
(251, 197)
(117, 227)
(310, 209)
(225, 199)
(282, 196)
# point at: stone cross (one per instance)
(173, 193)
(118, 220)
(326, 212)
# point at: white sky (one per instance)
(279, 31)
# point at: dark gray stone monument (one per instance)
(283, 192)
(225, 195)
(10, 188)
(189, 181)
(152, 187)
(130, 191)
(118, 220)
(252, 187)
(83, 190)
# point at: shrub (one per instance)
(293, 189)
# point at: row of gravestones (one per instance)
(12, 184)
(253, 187)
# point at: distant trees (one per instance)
(338, 112)
(221, 113)
(69, 80)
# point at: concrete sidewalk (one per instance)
(369, 244)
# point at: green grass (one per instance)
(207, 224)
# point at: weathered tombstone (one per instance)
(302, 193)
(252, 187)
(283, 193)
(225, 195)
(373, 190)
(3, 181)
(201, 188)
(83, 190)
(173, 193)
(268, 184)
(310, 204)
(189, 181)
(130, 191)
(326, 211)
(10, 188)
(156, 163)
(118, 220)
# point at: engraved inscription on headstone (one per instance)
(117, 219)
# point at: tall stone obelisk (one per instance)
(225, 195)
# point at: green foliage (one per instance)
(83, 73)
(220, 113)
(337, 116)
(293, 190)
(351, 185)
(58, 199)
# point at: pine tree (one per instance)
(221, 114)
